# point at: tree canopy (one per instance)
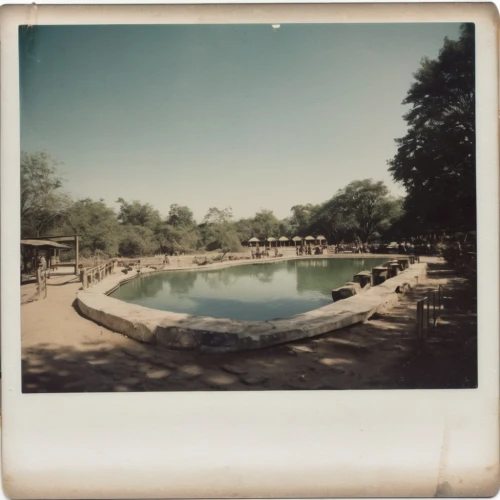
(96, 224)
(435, 160)
(366, 207)
(180, 216)
(43, 203)
(136, 213)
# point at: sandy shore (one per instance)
(64, 352)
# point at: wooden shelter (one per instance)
(51, 249)
(54, 243)
(253, 240)
(270, 240)
(282, 239)
(309, 239)
(295, 239)
(320, 239)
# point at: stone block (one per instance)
(404, 263)
(379, 275)
(364, 278)
(346, 291)
(393, 269)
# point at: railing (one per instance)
(41, 281)
(91, 275)
(158, 261)
(423, 323)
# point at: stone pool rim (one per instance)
(208, 334)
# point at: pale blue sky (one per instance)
(220, 115)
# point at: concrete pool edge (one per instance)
(185, 331)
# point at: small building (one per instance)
(49, 247)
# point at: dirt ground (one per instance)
(64, 352)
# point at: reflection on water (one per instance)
(247, 292)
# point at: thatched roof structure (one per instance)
(282, 238)
(296, 238)
(253, 240)
(309, 238)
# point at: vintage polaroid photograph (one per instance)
(248, 207)
(231, 222)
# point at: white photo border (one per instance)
(253, 444)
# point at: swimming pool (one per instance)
(249, 292)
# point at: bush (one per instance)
(463, 261)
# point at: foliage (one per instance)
(173, 239)
(138, 214)
(265, 225)
(244, 229)
(43, 204)
(220, 232)
(460, 259)
(137, 241)
(435, 160)
(362, 207)
(218, 216)
(96, 224)
(301, 218)
(180, 216)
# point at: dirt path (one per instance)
(64, 352)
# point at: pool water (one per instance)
(250, 292)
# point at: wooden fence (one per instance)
(91, 275)
(429, 309)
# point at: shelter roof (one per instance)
(44, 243)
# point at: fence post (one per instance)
(419, 324)
(434, 307)
(428, 314)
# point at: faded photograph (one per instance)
(248, 207)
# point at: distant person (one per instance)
(43, 263)
(166, 260)
(53, 263)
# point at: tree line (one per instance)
(435, 162)
(362, 211)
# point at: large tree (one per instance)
(97, 226)
(265, 224)
(333, 220)
(435, 160)
(180, 216)
(365, 206)
(302, 216)
(220, 232)
(43, 204)
(136, 213)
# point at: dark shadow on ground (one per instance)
(379, 354)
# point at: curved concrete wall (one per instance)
(185, 331)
